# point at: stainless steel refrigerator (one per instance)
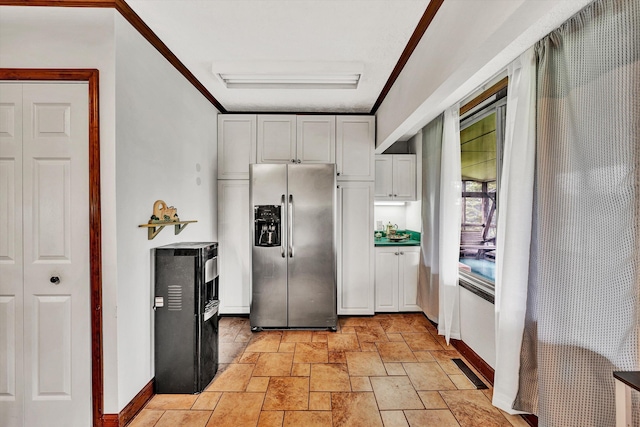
(293, 248)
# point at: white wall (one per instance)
(166, 149)
(477, 325)
(48, 37)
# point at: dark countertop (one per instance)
(383, 241)
(414, 240)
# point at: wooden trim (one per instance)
(475, 360)
(136, 404)
(137, 23)
(95, 231)
(421, 28)
(110, 420)
(484, 95)
(146, 32)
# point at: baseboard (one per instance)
(132, 408)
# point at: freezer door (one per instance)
(268, 186)
(310, 247)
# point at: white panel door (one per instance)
(355, 248)
(355, 147)
(316, 139)
(53, 316)
(276, 138)
(11, 256)
(236, 145)
(404, 177)
(409, 260)
(387, 278)
(235, 243)
(384, 177)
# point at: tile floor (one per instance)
(386, 370)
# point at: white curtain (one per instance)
(429, 281)
(450, 217)
(514, 227)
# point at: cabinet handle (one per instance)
(55, 280)
(390, 195)
(299, 161)
(396, 253)
(395, 195)
(401, 253)
(338, 173)
(293, 160)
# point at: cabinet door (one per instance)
(235, 247)
(387, 278)
(316, 139)
(355, 148)
(276, 138)
(409, 260)
(236, 145)
(404, 177)
(384, 177)
(355, 248)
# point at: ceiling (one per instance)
(263, 36)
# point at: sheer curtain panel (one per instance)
(450, 217)
(514, 227)
(585, 246)
(428, 279)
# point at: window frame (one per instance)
(493, 103)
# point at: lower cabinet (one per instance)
(355, 248)
(235, 246)
(396, 278)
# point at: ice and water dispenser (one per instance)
(267, 225)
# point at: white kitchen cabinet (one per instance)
(316, 139)
(300, 139)
(396, 279)
(355, 148)
(276, 138)
(234, 246)
(355, 248)
(395, 177)
(236, 145)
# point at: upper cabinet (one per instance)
(316, 141)
(236, 145)
(395, 177)
(296, 139)
(276, 138)
(347, 141)
(355, 148)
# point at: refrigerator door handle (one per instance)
(290, 220)
(282, 250)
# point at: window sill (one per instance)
(482, 288)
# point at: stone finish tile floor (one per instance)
(383, 370)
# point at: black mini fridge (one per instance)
(186, 316)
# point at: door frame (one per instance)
(95, 230)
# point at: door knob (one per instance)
(55, 280)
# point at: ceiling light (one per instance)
(290, 81)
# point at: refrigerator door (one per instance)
(268, 186)
(269, 264)
(310, 247)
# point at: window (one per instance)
(481, 139)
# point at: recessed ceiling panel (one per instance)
(372, 33)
